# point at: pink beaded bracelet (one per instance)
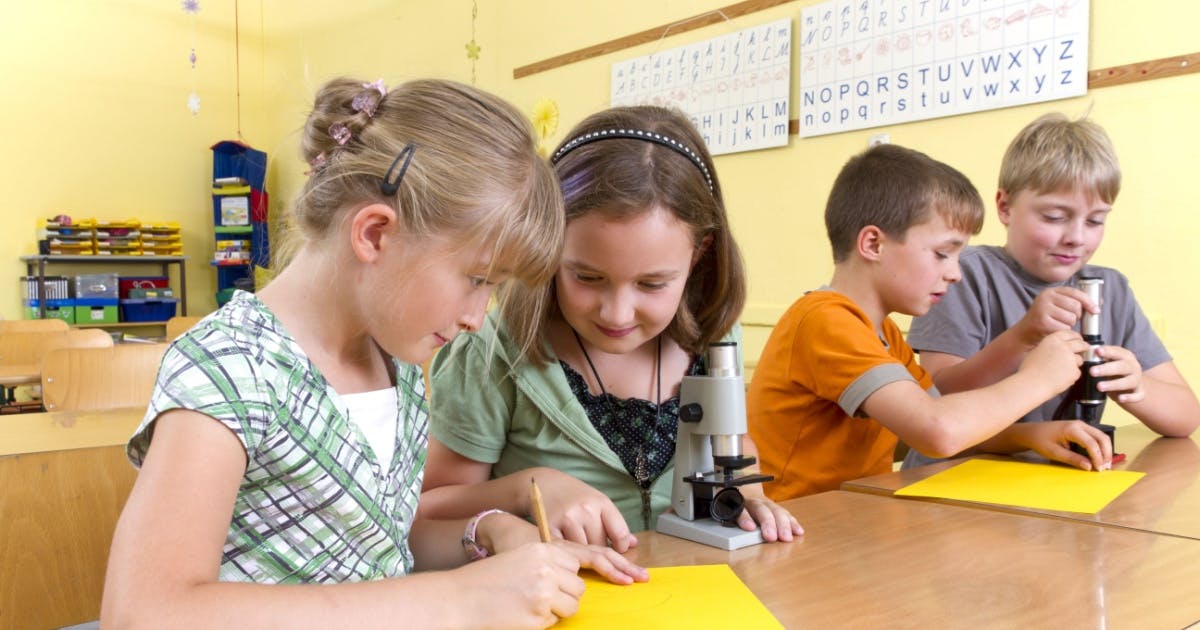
(476, 551)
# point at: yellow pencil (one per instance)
(539, 510)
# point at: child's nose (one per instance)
(617, 308)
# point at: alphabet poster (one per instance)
(735, 88)
(866, 63)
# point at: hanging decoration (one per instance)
(192, 7)
(545, 122)
(473, 48)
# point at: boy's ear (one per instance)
(870, 243)
(1003, 209)
(370, 226)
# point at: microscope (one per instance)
(708, 456)
(1084, 401)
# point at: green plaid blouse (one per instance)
(314, 505)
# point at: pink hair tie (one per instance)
(317, 163)
(377, 84)
(340, 133)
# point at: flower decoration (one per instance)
(193, 103)
(190, 6)
(473, 50)
(545, 122)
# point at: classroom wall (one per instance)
(103, 113)
(776, 197)
(94, 121)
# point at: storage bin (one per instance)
(56, 288)
(148, 310)
(96, 310)
(55, 309)
(127, 283)
(96, 286)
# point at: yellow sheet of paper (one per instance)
(705, 596)
(1041, 486)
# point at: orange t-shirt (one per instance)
(822, 361)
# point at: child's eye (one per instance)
(942, 255)
(1096, 222)
(586, 278)
(478, 281)
(1053, 218)
(653, 286)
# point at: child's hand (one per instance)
(1123, 374)
(582, 514)
(1053, 310)
(532, 587)
(611, 565)
(1052, 440)
(762, 513)
(1056, 359)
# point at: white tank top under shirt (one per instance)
(376, 416)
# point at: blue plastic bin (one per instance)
(148, 310)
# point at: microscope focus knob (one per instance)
(691, 412)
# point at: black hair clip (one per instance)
(391, 183)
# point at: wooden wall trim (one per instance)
(715, 16)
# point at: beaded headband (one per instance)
(637, 134)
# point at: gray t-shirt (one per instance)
(995, 294)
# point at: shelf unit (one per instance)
(35, 266)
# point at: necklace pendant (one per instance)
(641, 471)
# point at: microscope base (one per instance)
(707, 532)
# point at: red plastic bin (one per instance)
(125, 283)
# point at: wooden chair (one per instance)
(32, 325)
(20, 356)
(89, 338)
(180, 324)
(100, 378)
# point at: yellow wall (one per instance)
(97, 124)
(94, 121)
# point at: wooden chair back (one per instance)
(27, 348)
(32, 325)
(180, 324)
(100, 378)
(89, 338)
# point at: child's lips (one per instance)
(1065, 259)
(440, 340)
(616, 332)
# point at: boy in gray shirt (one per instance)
(1058, 180)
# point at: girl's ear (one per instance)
(370, 227)
(870, 243)
(705, 243)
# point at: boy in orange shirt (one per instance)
(836, 383)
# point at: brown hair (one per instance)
(623, 177)
(1053, 153)
(895, 188)
(474, 170)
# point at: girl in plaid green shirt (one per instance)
(285, 440)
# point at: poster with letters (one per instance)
(866, 63)
(735, 88)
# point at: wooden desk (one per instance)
(18, 375)
(873, 561)
(26, 433)
(1165, 501)
(64, 478)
